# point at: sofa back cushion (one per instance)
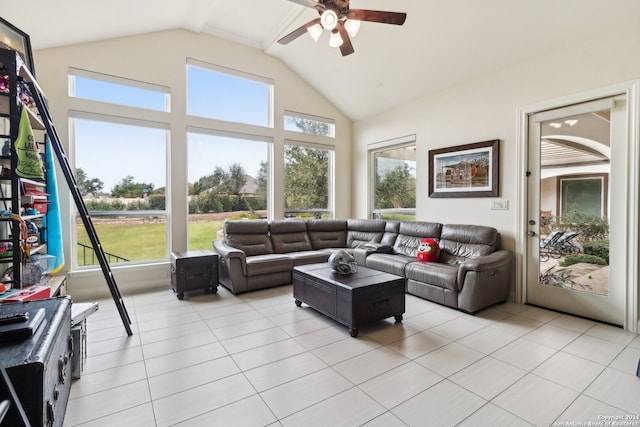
(251, 237)
(459, 242)
(327, 233)
(362, 231)
(410, 234)
(289, 235)
(391, 230)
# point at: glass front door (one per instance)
(576, 155)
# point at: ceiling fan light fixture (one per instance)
(315, 31)
(335, 40)
(352, 26)
(329, 19)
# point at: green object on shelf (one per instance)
(29, 160)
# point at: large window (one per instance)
(394, 179)
(230, 95)
(228, 178)
(585, 194)
(307, 180)
(116, 90)
(120, 169)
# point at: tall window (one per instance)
(394, 179)
(307, 180)
(116, 90)
(228, 178)
(230, 95)
(120, 169)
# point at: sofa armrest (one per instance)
(361, 253)
(378, 248)
(494, 261)
(226, 251)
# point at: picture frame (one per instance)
(469, 170)
(11, 37)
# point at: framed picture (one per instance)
(469, 170)
(13, 38)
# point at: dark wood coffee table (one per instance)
(353, 299)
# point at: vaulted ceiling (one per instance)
(441, 44)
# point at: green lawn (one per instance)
(144, 241)
(201, 234)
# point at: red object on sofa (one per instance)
(428, 251)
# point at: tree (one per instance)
(127, 188)
(310, 127)
(211, 183)
(397, 189)
(230, 181)
(235, 179)
(261, 179)
(87, 185)
(306, 181)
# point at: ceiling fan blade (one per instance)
(346, 48)
(395, 18)
(308, 3)
(298, 32)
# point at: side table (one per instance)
(191, 270)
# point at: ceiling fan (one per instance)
(341, 21)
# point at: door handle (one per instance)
(531, 233)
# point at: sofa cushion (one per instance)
(389, 263)
(327, 233)
(362, 231)
(249, 236)
(434, 273)
(391, 230)
(267, 264)
(411, 233)
(309, 257)
(459, 242)
(289, 235)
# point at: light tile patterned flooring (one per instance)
(258, 360)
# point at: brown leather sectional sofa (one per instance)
(471, 273)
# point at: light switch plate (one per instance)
(501, 205)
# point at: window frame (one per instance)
(330, 173)
(237, 135)
(121, 81)
(602, 178)
(378, 147)
(191, 62)
(330, 122)
(111, 119)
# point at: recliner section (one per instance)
(472, 272)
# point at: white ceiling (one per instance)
(442, 43)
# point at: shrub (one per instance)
(589, 259)
(599, 248)
(156, 202)
(590, 227)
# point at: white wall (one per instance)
(487, 108)
(160, 58)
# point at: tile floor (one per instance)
(258, 360)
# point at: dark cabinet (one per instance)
(39, 366)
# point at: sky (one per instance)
(104, 147)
